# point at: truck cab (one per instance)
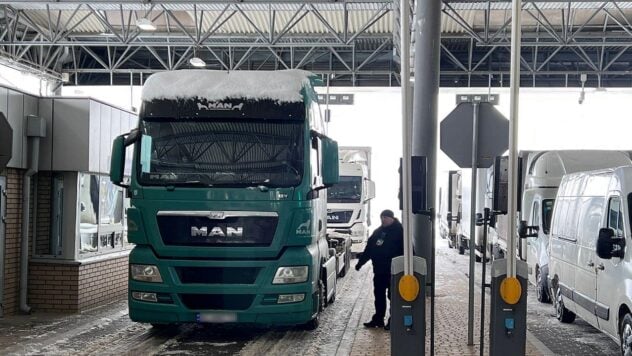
(228, 199)
(348, 202)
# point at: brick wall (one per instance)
(44, 200)
(76, 287)
(12, 240)
(102, 282)
(54, 287)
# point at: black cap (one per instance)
(387, 213)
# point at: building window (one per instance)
(101, 215)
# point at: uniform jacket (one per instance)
(384, 244)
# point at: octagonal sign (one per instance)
(456, 135)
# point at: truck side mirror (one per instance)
(330, 171)
(370, 190)
(525, 230)
(609, 247)
(117, 165)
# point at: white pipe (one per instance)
(406, 134)
(513, 134)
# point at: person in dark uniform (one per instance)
(386, 242)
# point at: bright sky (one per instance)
(549, 119)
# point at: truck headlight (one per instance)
(293, 274)
(145, 273)
(357, 230)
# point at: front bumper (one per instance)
(174, 303)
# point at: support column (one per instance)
(425, 103)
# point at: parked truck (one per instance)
(228, 199)
(451, 212)
(348, 204)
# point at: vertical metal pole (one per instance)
(486, 219)
(470, 301)
(513, 134)
(406, 125)
(425, 116)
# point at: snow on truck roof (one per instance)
(282, 86)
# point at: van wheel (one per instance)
(625, 332)
(313, 324)
(541, 290)
(564, 315)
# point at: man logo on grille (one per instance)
(216, 232)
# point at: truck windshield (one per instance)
(348, 190)
(547, 212)
(238, 153)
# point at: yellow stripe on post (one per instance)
(510, 290)
(408, 287)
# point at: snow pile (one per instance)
(281, 86)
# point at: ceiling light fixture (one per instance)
(145, 24)
(197, 62)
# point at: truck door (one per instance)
(3, 214)
(609, 273)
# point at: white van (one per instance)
(590, 269)
(544, 172)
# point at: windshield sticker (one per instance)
(145, 153)
(220, 106)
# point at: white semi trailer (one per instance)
(348, 202)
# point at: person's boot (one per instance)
(374, 323)
(387, 327)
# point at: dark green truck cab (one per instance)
(228, 207)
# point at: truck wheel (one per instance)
(313, 324)
(625, 334)
(461, 250)
(564, 315)
(541, 290)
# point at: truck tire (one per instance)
(564, 315)
(625, 334)
(313, 324)
(541, 290)
(461, 250)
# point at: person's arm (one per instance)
(366, 254)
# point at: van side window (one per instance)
(547, 212)
(615, 216)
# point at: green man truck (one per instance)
(228, 199)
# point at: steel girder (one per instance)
(561, 40)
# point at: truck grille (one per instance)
(338, 217)
(218, 275)
(217, 301)
(178, 230)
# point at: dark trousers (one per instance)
(381, 289)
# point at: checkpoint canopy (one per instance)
(456, 134)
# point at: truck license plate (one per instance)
(216, 317)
